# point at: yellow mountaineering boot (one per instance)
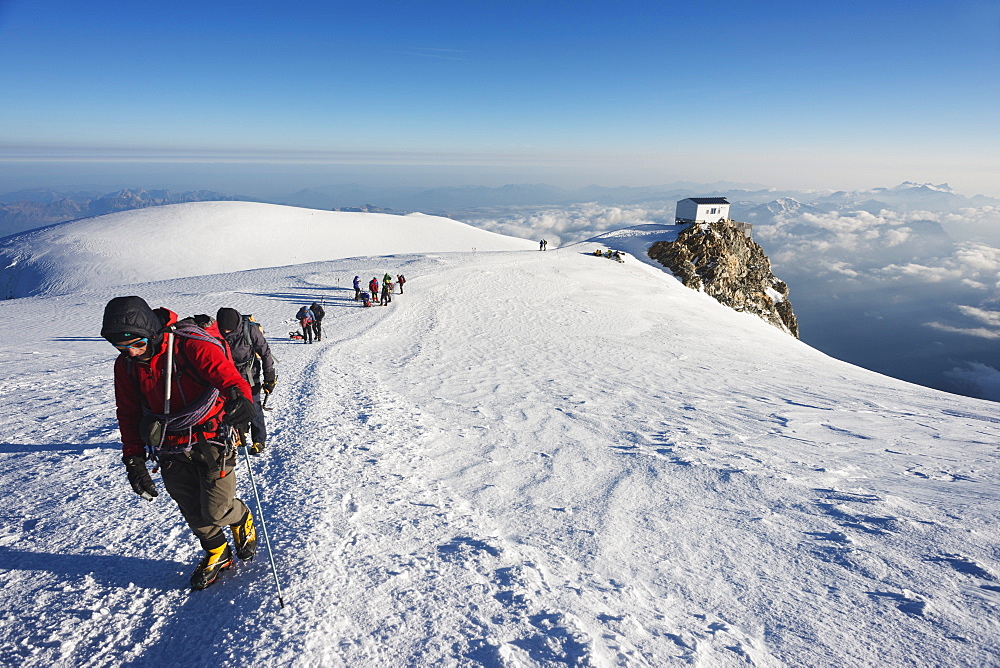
(214, 562)
(245, 536)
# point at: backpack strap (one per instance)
(190, 329)
(246, 334)
(249, 322)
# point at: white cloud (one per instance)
(562, 225)
(986, 215)
(983, 315)
(973, 264)
(978, 257)
(982, 380)
(896, 236)
(848, 234)
(836, 267)
(841, 223)
(980, 332)
(920, 272)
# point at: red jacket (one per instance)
(146, 381)
(373, 286)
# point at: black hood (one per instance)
(129, 315)
(228, 319)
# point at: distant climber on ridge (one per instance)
(306, 320)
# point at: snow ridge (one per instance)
(528, 459)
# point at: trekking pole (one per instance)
(151, 452)
(260, 516)
(170, 373)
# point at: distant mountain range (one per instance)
(906, 197)
(447, 200)
(914, 196)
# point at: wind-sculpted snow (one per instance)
(528, 459)
(212, 237)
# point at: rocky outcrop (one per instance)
(720, 260)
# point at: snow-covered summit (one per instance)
(200, 238)
(911, 185)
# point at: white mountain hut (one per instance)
(702, 210)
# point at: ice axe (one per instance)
(263, 406)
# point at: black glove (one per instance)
(269, 381)
(138, 477)
(239, 410)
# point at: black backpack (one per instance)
(252, 366)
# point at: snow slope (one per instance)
(211, 237)
(528, 459)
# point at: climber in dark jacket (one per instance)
(306, 320)
(253, 359)
(318, 314)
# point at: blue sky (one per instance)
(789, 94)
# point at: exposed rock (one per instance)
(720, 260)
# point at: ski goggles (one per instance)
(125, 345)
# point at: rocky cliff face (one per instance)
(719, 259)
